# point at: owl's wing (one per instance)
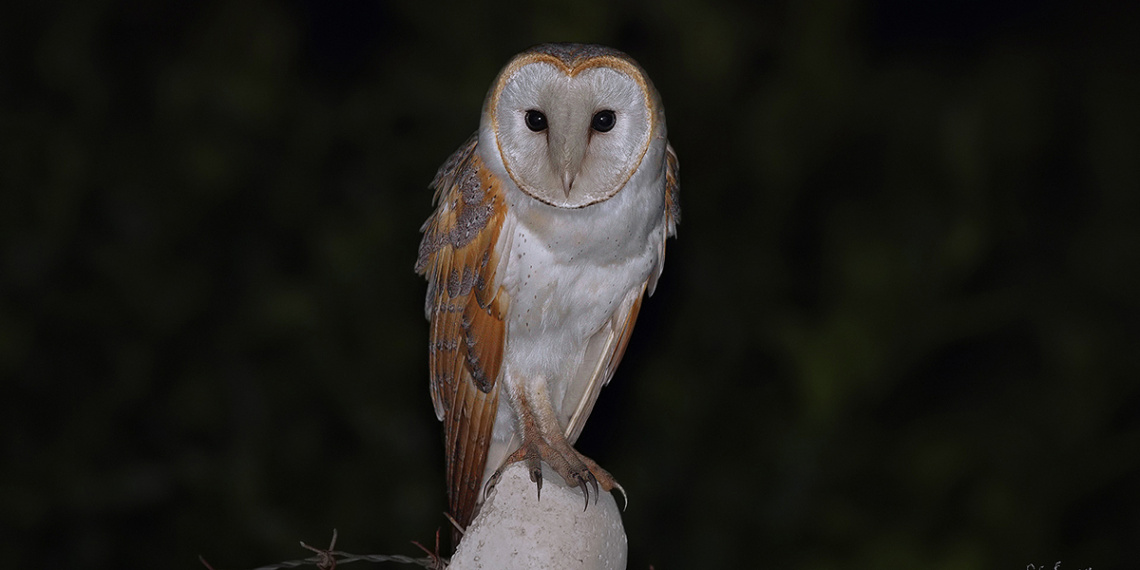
(467, 308)
(672, 191)
(672, 209)
(607, 347)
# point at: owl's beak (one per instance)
(566, 153)
(567, 181)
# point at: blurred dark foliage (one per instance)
(896, 331)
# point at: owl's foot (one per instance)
(574, 468)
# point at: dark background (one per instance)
(898, 328)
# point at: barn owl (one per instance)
(549, 229)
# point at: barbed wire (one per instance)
(328, 558)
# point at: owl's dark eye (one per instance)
(535, 120)
(603, 121)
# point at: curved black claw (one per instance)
(536, 477)
(491, 482)
(624, 497)
(585, 490)
(593, 482)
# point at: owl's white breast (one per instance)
(568, 270)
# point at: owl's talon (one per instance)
(624, 497)
(536, 477)
(585, 491)
(491, 482)
(575, 469)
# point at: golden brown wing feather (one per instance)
(467, 309)
(672, 191)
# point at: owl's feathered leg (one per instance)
(543, 439)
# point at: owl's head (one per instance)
(572, 122)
